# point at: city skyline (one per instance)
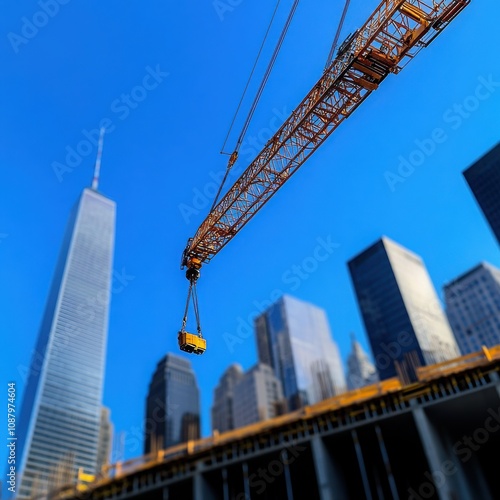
(160, 168)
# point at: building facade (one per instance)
(223, 404)
(401, 312)
(294, 338)
(258, 396)
(483, 178)
(360, 370)
(473, 308)
(61, 409)
(172, 405)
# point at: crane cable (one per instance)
(234, 154)
(250, 77)
(337, 35)
(192, 293)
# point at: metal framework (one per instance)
(395, 32)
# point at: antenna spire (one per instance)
(97, 169)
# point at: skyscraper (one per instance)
(172, 405)
(257, 396)
(473, 307)
(403, 317)
(294, 338)
(360, 370)
(483, 178)
(61, 410)
(223, 404)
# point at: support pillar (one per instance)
(201, 487)
(246, 484)
(442, 460)
(330, 482)
(361, 464)
(387, 463)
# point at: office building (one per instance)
(257, 396)
(401, 312)
(223, 405)
(105, 439)
(294, 338)
(483, 178)
(473, 307)
(61, 409)
(172, 405)
(360, 370)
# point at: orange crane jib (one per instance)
(395, 32)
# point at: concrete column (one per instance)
(496, 378)
(225, 485)
(201, 487)
(361, 464)
(288, 479)
(387, 464)
(330, 481)
(472, 483)
(246, 484)
(444, 467)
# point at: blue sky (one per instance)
(165, 78)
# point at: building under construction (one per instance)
(435, 438)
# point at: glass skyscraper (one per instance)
(172, 405)
(294, 338)
(61, 410)
(483, 178)
(473, 307)
(403, 318)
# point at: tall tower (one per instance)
(223, 405)
(403, 318)
(483, 178)
(61, 410)
(294, 338)
(360, 370)
(473, 307)
(172, 405)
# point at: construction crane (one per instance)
(391, 37)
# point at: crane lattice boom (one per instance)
(395, 32)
